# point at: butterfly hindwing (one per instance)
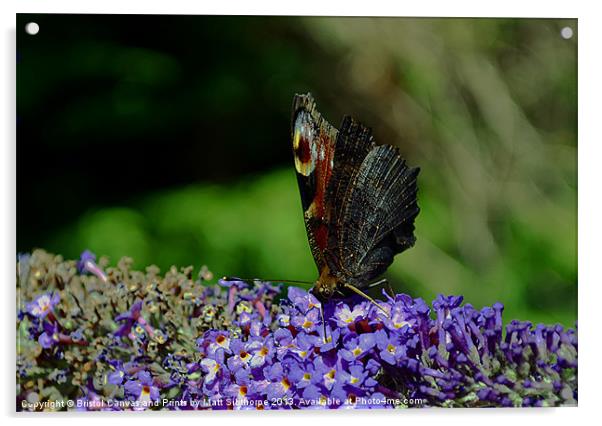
(353, 144)
(373, 196)
(378, 216)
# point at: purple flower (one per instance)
(142, 388)
(51, 335)
(133, 318)
(397, 317)
(357, 376)
(213, 341)
(241, 355)
(280, 385)
(308, 322)
(262, 352)
(356, 347)
(43, 305)
(326, 372)
(303, 346)
(377, 400)
(330, 340)
(90, 402)
(213, 367)
(303, 300)
(353, 385)
(302, 374)
(316, 397)
(345, 316)
(284, 320)
(234, 287)
(390, 347)
(87, 264)
(117, 376)
(241, 388)
(239, 284)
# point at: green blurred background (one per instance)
(166, 138)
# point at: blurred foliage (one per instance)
(166, 139)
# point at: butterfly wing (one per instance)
(313, 150)
(359, 199)
(374, 194)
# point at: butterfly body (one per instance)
(358, 198)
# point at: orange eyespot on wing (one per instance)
(305, 144)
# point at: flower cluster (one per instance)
(113, 339)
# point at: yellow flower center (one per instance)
(400, 324)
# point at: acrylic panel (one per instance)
(259, 213)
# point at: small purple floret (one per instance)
(87, 264)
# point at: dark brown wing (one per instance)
(374, 196)
(313, 140)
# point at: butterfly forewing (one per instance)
(313, 140)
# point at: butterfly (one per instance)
(359, 200)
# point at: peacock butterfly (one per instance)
(359, 199)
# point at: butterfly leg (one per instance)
(384, 282)
(365, 296)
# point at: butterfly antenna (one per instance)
(265, 280)
(365, 296)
